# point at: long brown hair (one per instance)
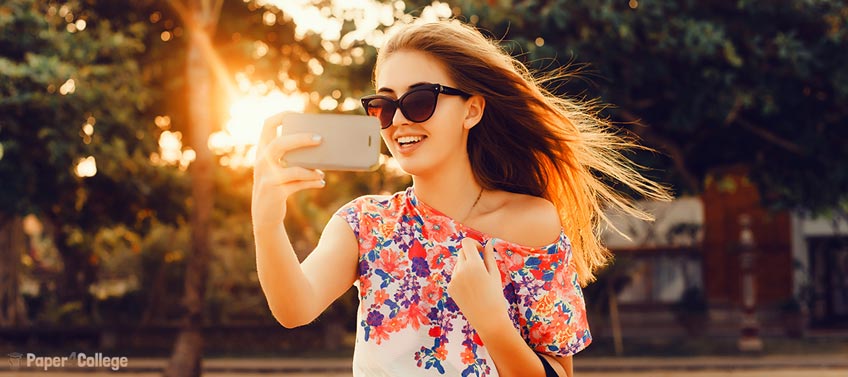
(530, 141)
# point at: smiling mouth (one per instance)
(409, 140)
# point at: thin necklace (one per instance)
(472, 206)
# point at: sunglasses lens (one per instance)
(382, 109)
(418, 106)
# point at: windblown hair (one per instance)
(530, 141)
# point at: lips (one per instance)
(405, 140)
(407, 144)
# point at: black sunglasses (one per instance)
(417, 105)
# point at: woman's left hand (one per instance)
(476, 285)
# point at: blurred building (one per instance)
(800, 269)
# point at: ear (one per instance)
(474, 107)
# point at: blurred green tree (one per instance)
(76, 132)
(709, 84)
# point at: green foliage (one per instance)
(722, 83)
(57, 82)
(73, 89)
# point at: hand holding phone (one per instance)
(273, 181)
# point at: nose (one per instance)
(398, 118)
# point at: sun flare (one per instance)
(237, 141)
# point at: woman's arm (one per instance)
(476, 288)
(296, 293)
(512, 355)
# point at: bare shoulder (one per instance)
(531, 220)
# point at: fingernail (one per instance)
(320, 172)
(316, 138)
(323, 182)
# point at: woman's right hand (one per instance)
(273, 182)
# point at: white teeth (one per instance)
(409, 139)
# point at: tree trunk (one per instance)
(154, 298)
(186, 359)
(12, 242)
(77, 275)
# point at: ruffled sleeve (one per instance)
(551, 310)
(351, 213)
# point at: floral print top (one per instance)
(408, 325)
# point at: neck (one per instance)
(452, 190)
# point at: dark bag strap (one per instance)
(549, 370)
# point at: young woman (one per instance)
(476, 268)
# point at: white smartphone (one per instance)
(348, 142)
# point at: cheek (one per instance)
(451, 113)
(387, 138)
(450, 122)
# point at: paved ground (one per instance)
(759, 373)
(748, 373)
(835, 365)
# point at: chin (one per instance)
(416, 167)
